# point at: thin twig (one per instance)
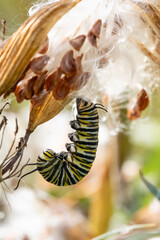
(1, 110)
(19, 172)
(16, 167)
(19, 153)
(3, 124)
(13, 142)
(3, 21)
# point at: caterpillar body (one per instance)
(68, 168)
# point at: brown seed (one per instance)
(20, 94)
(38, 100)
(142, 100)
(92, 38)
(39, 83)
(53, 79)
(81, 81)
(37, 64)
(24, 90)
(77, 42)
(71, 81)
(44, 47)
(103, 57)
(134, 113)
(68, 65)
(94, 33)
(29, 87)
(49, 82)
(117, 24)
(62, 90)
(96, 29)
(12, 89)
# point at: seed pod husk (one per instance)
(20, 48)
(47, 110)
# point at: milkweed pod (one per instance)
(49, 108)
(24, 43)
(44, 47)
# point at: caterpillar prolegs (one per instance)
(68, 168)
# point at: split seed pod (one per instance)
(46, 110)
(20, 48)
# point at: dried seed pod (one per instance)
(24, 72)
(49, 107)
(62, 90)
(134, 113)
(67, 64)
(142, 100)
(24, 43)
(77, 42)
(12, 89)
(37, 64)
(44, 47)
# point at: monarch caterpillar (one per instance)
(68, 168)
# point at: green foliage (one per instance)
(151, 187)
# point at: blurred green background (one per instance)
(15, 12)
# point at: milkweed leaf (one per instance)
(153, 189)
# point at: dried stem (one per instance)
(16, 158)
(3, 21)
(3, 124)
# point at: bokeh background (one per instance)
(111, 196)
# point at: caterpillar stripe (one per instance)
(68, 168)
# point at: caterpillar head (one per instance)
(82, 102)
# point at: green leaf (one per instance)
(155, 191)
